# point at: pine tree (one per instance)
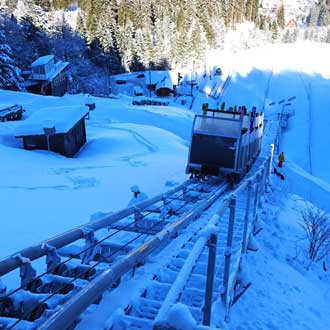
(10, 74)
(249, 10)
(240, 10)
(327, 39)
(313, 17)
(254, 10)
(274, 30)
(280, 18)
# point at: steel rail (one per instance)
(10, 263)
(88, 295)
(168, 200)
(184, 274)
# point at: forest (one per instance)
(113, 36)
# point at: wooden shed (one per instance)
(164, 87)
(60, 129)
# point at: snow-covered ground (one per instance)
(283, 295)
(43, 194)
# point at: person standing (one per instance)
(205, 108)
(281, 159)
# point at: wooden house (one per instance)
(47, 77)
(164, 88)
(60, 129)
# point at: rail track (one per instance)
(82, 264)
(76, 259)
(201, 232)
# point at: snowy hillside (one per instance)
(293, 8)
(44, 193)
(127, 146)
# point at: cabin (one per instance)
(164, 88)
(47, 77)
(60, 129)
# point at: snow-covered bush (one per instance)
(316, 226)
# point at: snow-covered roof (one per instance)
(165, 83)
(58, 67)
(150, 76)
(42, 60)
(63, 118)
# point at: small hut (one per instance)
(47, 77)
(61, 130)
(164, 87)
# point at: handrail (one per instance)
(78, 303)
(10, 262)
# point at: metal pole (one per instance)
(246, 217)
(271, 159)
(269, 168)
(149, 83)
(72, 308)
(261, 186)
(48, 144)
(212, 244)
(232, 207)
(256, 196)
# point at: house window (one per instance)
(39, 70)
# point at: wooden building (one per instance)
(47, 77)
(164, 88)
(60, 129)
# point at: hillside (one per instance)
(148, 145)
(100, 38)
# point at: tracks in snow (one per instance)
(308, 90)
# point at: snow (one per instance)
(283, 295)
(209, 230)
(179, 316)
(62, 118)
(164, 83)
(44, 194)
(42, 60)
(127, 145)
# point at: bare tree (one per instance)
(316, 226)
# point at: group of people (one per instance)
(239, 109)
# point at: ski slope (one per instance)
(43, 193)
(281, 72)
